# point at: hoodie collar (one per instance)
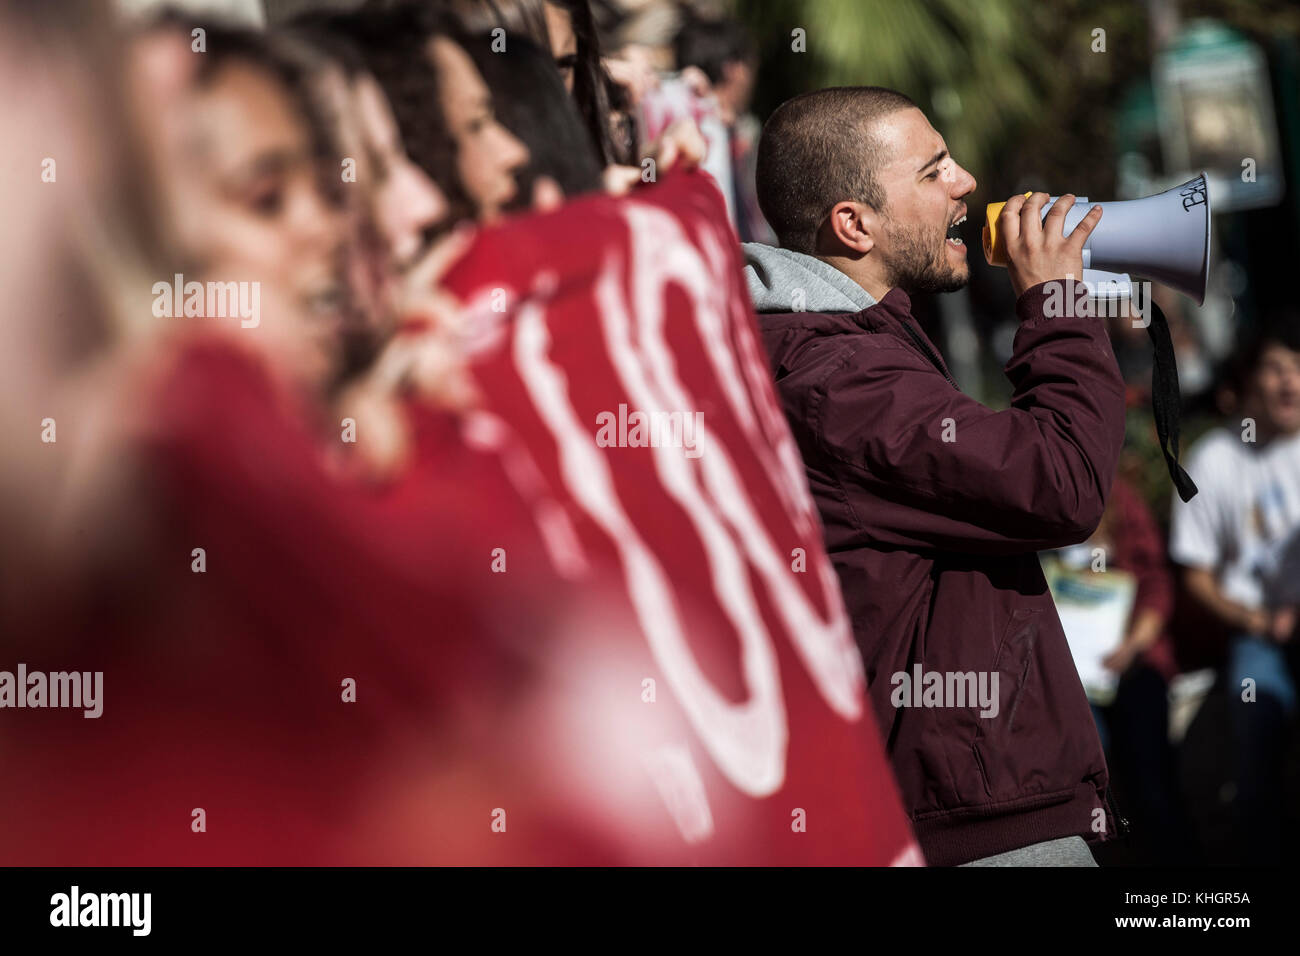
(781, 280)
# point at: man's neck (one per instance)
(856, 268)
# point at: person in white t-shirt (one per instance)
(1236, 540)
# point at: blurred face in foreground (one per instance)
(52, 125)
(395, 205)
(923, 186)
(1276, 389)
(487, 155)
(405, 203)
(248, 204)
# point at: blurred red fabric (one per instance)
(502, 716)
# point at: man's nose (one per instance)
(963, 184)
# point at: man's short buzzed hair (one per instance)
(817, 150)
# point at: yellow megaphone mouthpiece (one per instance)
(995, 250)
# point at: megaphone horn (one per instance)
(1165, 237)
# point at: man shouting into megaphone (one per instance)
(934, 507)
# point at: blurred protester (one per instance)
(722, 52)
(531, 101)
(394, 261)
(1119, 580)
(264, 577)
(685, 98)
(243, 172)
(395, 203)
(1231, 540)
(722, 57)
(81, 247)
(568, 31)
(933, 505)
(641, 32)
(444, 109)
(575, 46)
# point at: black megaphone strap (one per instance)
(1166, 400)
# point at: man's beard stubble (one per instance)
(920, 262)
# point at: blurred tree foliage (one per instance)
(1014, 86)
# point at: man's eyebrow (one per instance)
(937, 156)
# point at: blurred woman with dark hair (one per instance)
(531, 101)
(575, 45)
(409, 340)
(567, 28)
(443, 108)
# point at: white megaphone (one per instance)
(1165, 237)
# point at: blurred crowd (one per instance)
(254, 467)
(324, 173)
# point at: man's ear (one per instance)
(851, 227)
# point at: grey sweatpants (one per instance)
(1067, 851)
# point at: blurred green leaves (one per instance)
(977, 69)
(1014, 86)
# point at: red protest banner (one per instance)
(615, 346)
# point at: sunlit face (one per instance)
(564, 42)
(405, 203)
(392, 203)
(1276, 388)
(924, 187)
(735, 90)
(248, 204)
(487, 155)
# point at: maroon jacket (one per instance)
(934, 507)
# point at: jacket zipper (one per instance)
(924, 346)
(1120, 820)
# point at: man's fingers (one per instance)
(1084, 229)
(1056, 214)
(1031, 215)
(1009, 218)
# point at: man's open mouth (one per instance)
(954, 231)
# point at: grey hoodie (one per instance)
(775, 275)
